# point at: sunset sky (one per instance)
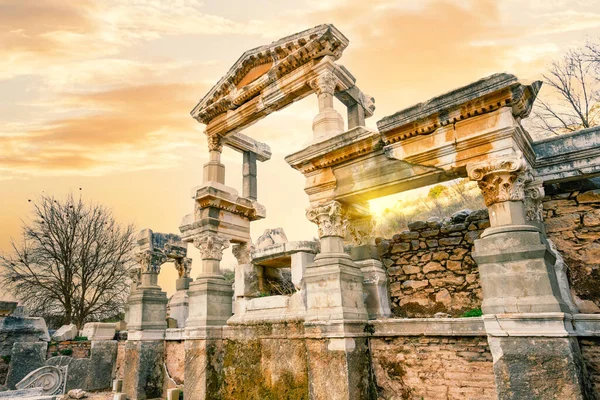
(97, 94)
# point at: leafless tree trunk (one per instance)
(72, 262)
(574, 100)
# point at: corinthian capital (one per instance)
(361, 230)
(330, 219)
(501, 179)
(324, 83)
(183, 266)
(534, 193)
(150, 261)
(211, 246)
(242, 252)
(215, 143)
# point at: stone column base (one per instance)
(334, 289)
(143, 376)
(210, 302)
(147, 309)
(538, 368)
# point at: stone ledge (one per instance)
(587, 324)
(429, 327)
(158, 334)
(175, 334)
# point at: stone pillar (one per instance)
(328, 122)
(209, 295)
(365, 254)
(179, 302)
(246, 280)
(356, 116)
(214, 171)
(249, 185)
(146, 331)
(136, 276)
(524, 313)
(336, 313)
(210, 308)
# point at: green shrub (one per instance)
(54, 353)
(6, 359)
(66, 352)
(476, 312)
(80, 338)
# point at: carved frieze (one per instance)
(501, 179)
(50, 379)
(330, 218)
(211, 246)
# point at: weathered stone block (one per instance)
(21, 329)
(566, 222)
(400, 248)
(415, 284)
(99, 331)
(432, 266)
(538, 368)
(450, 241)
(103, 360)
(592, 196)
(144, 373)
(591, 218)
(65, 332)
(24, 358)
(411, 269)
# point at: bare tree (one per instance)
(574, 100)
(72, 262)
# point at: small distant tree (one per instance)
(573, 103)
(72, 263)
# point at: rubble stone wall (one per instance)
(175, 360)
(421, 367)
(3, 370)
(430, 268)
(590, 352)
(572, 221)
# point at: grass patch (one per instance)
(476, 312)
(66, 352)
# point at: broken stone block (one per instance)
(21, 329)
(25, 358)
(99, 331)
(173, 394)
(65, 332)
(103, 358)
(7, 308)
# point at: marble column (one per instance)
(179, 302)
(210, 307)
(364, 253)
(328, 122)
(146, 331)
(525, 316)
(336, 313)
(214, 171)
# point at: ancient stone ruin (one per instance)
(351, 316)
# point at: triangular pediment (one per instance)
(259, 67)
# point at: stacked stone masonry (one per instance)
(590, 352)
(430, 268)
(433, 368)
(572, 221)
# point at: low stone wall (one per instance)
(72, 348)
(433, 368)
(572, 221)
(430, 268)
(590, 352)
